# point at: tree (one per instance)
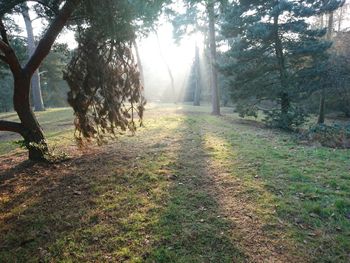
(329, 34)
(139, 63)
(321, 114)
(29, 127)
(277, 56)
(171, 77)
(106, 17)
(197, 74)
(35, 83)
(336, 81)
(194, 20)
(54, 88)
(213, 58)
(6, 90)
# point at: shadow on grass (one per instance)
(192, 226)
(144, 199)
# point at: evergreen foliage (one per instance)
(275, 55)
(105, 88)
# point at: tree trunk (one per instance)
(213, 59)
(29, 127)
(32, 132)
(340, 19)
(285, 100)
(322, 106)
(35, 83)
(285, 103)
(139, 63)
(197, 90)
(172, 83)
(321, 111)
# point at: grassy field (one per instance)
(189, 187)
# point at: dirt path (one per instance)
(169, 194)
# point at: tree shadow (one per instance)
(193, 228)
(7, 174)
(146, 198)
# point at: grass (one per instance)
(56, 123)
(189, 187)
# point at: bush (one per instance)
(245, 110)
(289, 121)
(335, 136)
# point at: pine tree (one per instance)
(275, 55)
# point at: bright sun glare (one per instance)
(179, 58)
(155, 57)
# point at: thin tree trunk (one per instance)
(322, 107)
(213, 59)
(340, 19)
(197, 90)
(35, 82)
(172, 83)
(285, 100)
(321, 112)
(139, 63)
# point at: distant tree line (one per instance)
(53, 88)
(286, 59)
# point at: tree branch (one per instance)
(4, 59)
(3, 32)
(11, 58)
(9, 55)
(12, 127)
(50, 36)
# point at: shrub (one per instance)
(334, 136)
(286, 121)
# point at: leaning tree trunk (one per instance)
(35, 83)
(213, 58)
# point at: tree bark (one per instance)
(197, 90)
(213, 59)
(285, 103)
(35, 82)
(29, 127)
(33, 134)
(321, 111)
